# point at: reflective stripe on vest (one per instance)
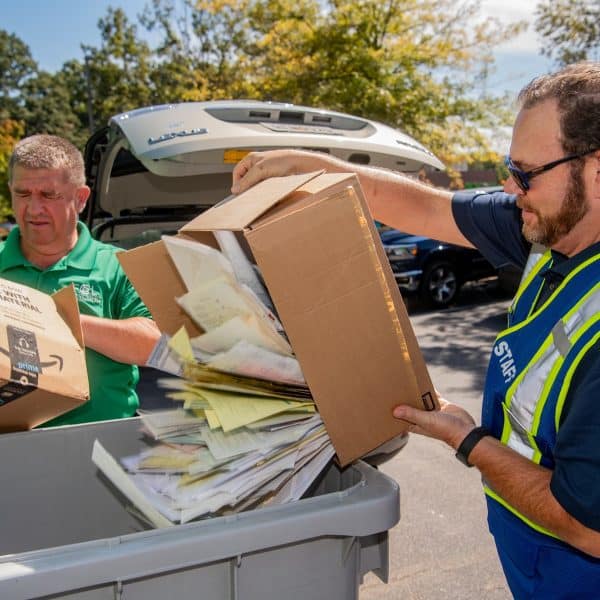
(534, 359)
(529, 289)
(536, 252)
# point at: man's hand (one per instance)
(521, 482)
(450, 424)
(257, 166)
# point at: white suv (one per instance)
(154, 168)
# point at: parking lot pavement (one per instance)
(441, 548)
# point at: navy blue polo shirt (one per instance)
(492, 223)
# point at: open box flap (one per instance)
(67, 307)
(155, 278)
(239, 212)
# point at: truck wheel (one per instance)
(439, 284)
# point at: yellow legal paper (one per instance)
(212, 418)
(185, 397)
(180, 343)
(192, 398)
(198, 479)
(196, 404)
(168, 459)
(235, 410)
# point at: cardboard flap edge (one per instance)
(158, 299)
(327, 180)
(264, 195)
(67, 307)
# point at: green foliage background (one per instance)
(413, 64)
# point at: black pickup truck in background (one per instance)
(434, 270)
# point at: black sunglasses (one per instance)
(522, 178)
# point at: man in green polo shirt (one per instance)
(50, 249)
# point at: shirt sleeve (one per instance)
(492, 223)
(574, 481)
(131, 304)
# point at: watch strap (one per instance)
(471, 440)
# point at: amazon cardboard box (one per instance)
(42, 359)
(321, 258)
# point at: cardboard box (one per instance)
(42, 359)
(316, 246)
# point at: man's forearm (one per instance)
(394, 199)
(409, 205)
(128, 341)
(526, 486)
(521, 483)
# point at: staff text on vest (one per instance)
(506, 360)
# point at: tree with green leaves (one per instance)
(200, 48)
(116, 76)
(37, 100)
(46, 107)
(10, 133)
(16, 67)
(570, 29)
(413, 64)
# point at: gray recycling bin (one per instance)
(66, 533)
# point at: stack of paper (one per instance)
(247, 431)
(209, 471)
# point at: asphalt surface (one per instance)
(441, 548)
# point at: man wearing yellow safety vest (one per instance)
(538, 448)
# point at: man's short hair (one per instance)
(48, 152)
(576, 88)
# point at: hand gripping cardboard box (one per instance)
(318, 251)
(42, 358)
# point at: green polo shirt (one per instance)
(103, 290)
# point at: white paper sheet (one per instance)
(195, 262)
(245, 358)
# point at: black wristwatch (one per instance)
(471, 440)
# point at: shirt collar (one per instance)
(562, 265)
(82, 256)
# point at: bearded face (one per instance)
(548, 229)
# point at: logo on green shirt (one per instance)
(86, 293)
